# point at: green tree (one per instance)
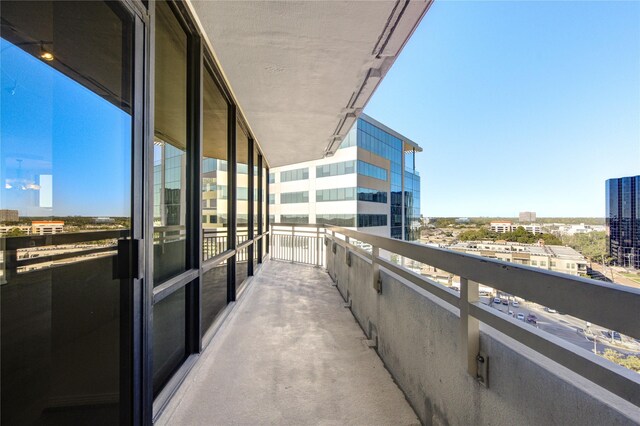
(16, 232)
(593, 245)
(629, 361)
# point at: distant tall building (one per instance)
(9, 215)
(623, 220)
(370, 184)
(529, 217)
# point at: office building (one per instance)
(527, 217)
(169, 115)
(7, 215)
(506, 226)
(623, 220)
(369, 184)
(553, 258)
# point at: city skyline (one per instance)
(519, 105)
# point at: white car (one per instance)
(497, 301)
(520, 317)
(515, 304)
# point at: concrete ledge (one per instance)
(418, 340)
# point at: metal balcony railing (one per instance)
(298, 243)
(608, 305)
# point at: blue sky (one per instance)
(53, 126)
(518, 105)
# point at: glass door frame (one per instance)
(132, 320)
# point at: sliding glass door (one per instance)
(68, 270)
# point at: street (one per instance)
(567, 327)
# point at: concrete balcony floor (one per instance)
(289, 354)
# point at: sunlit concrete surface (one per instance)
(289, 354)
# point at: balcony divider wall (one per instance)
(166, 306)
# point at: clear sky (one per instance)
(518, 105)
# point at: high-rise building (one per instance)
(528, 217)
(369, 184)
(623, 220)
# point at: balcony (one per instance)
(290, 352)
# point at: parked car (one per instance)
(551, 311)
(511, 313)
(616, 336)
(520, 317)
(515, 304)
(505, 302)
(532, 319)
(496, 301)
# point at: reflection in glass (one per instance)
(214, 170)
(65, 166)
(242, 215)
(256, 218)
(214, 294)
(169, 337)
(214, 200)
(170, 144)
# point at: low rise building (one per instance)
(507, 226)
(554, 258)
(501, 227)
(47, 227)
(563, 229)
(6, 229)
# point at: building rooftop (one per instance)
(561, 252)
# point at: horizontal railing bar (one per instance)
(608, 305)
(15, 243)
(61, 256)
(244, 245)
(168, 287)
(217, 259)
(297, 225)
(619, 380)
(432, 287)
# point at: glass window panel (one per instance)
(256, 189)
(66, 130)
(214, 173)
(169, 337)
(242, 207)
(214, 294)
(264, 202)
(170, 144)
(242, 261)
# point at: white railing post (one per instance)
(293, 249)
(469, 327)
(317, 245)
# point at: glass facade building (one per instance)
(404, 182)
(370, 184)
(623, 220)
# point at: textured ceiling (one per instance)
(301, 71)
